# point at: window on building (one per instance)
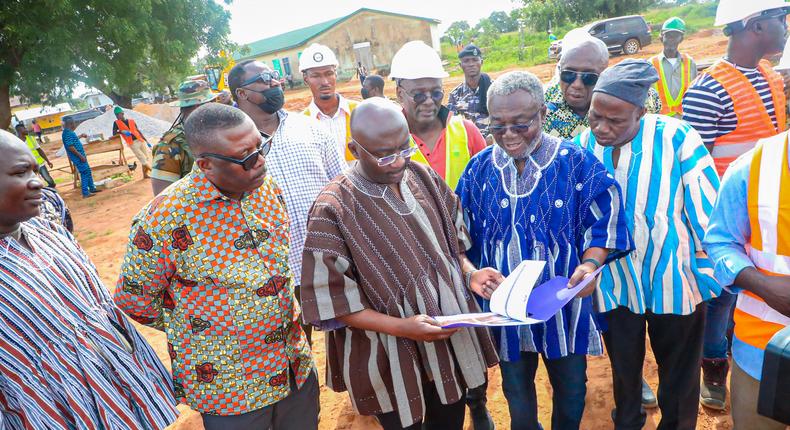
(286, 65)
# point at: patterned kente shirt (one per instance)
(69, 358)
(213, 272)
(561, 121)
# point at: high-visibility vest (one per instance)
(352, 104)
(754, 123)
(32, 144)
(768, 202)
(456, 151)
(672, 105)
(132, 128)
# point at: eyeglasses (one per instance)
(500, 130)
(588, 78)
(389, 159)
(436, 95)
(266, 77)
(248, 162)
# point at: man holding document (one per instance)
(384, 255)
(536, 197)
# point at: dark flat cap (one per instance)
(628, 80)
(470, 51)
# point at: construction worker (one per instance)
(38, 153)
(732, 104)
(748, 239)
(133, 138)
(676, 71)
(318, 65)
(447, 142)
(172, 157)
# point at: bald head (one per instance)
(9, 142)
(375, 118)
(590, 51)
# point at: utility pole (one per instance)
(520, 39)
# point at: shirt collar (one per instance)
(342, 106)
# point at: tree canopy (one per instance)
(121, 48)
(541, 14)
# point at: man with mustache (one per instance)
(207, 262)
(318, 65)
(384, 254)
(669, 186)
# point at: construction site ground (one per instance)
(102, 227)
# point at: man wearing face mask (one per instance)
(318, 65)
(303, 158)
(447, 142)
(372, 87)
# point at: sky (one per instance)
(253, 20)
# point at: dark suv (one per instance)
(626, 34)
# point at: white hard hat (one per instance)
(415, 60)
(784, 63)
(730, 11)
(316, 56)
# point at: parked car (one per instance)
(626, 34)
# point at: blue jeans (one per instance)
(568, 376)
(717, 323)
(86, 178)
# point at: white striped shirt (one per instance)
(669, 186)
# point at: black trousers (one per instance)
(677, 345)
(44, 172)
(437, 415)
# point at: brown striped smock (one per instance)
(368, 249)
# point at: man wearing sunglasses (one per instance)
(318, 65)
(735, 102)
(532, 196)
(446, 141)
(567, 101)
(303, 158)
(207, 262)
(384, 254)
(675, 70)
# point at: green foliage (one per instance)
(696, 16)
(542, 14)
(121, 48)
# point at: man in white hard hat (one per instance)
(735, 102)
(446, 142)
(318, 65)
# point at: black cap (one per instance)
(470, 51)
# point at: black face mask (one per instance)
(365, 93)
(274, 99)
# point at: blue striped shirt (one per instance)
(563, 203)
(69, 359)
(709, 108)
(669, 186)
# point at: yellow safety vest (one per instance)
(352, 104)
(32, 144)
(672, 106)
(456, 151)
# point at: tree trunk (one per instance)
(120, 100)
(5, 106)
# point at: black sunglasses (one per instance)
(500, 130)
(249, 161)
(588, 78)
(266, 77)
(436, 95)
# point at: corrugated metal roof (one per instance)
(299, 37)
(37, 112)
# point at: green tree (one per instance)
(120, 48)
(456, 33)
(539, 13)
(502, 22)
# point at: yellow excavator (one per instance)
(217, 74)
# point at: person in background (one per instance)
(536, 197)
(372, 87)
(668, 186)
(172, 157)
(675, 70)
(37, 130)
(362, 72)
(318, 65)
(468, 99)
(207, 261)
(732, 104)
(41, 156)
(446, 142)
(71, 359)
(748, 239)
(76, 154)
(384, 254)
(133, 137)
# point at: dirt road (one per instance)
(102, 226)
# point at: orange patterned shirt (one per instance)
(213, 273)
